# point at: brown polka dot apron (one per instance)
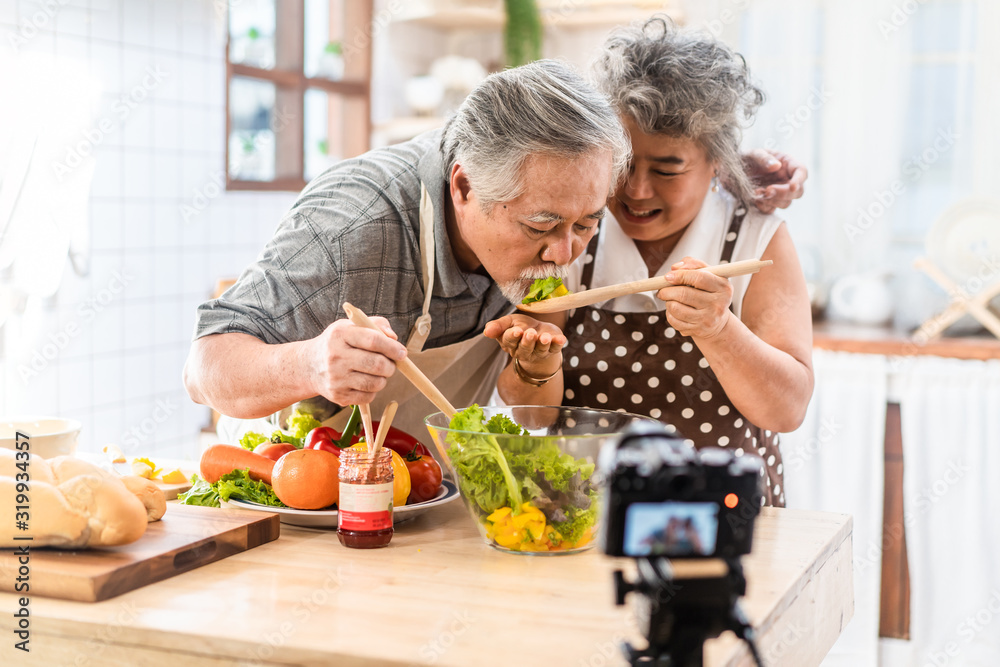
(639, 363)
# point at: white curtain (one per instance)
(950, 413)
(834, 463)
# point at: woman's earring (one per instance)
(715, 184)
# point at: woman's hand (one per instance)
(536, 345)
(779, 178)
(698, 301)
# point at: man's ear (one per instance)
(460, 187)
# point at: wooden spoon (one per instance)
(405, 366)
(366, 420)
(592, 296)
(383, 431)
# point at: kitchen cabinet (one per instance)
(436, 595)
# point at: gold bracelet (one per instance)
(533, 381)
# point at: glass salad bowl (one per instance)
(526, 472)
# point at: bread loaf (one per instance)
(72, 504)
(149, 494)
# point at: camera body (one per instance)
(663, 498)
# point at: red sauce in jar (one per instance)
(364, 510)
(361, 539)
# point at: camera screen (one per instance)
(671, 529)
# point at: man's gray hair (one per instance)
(544, 108)
(683, 84)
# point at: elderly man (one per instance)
(433, 238)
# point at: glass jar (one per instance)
(364, 511)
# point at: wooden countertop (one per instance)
(437, 595)
(840, 337)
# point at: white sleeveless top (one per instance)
(620, 261)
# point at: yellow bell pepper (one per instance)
(400, 476)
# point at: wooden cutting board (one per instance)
(187, 537)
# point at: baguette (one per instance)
(72, 504)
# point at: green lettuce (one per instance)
(555, 482)
(239, 485)
(300, 423)
(200, 493)
(250, 440)
(236, 484)
(542, 289)
(482, 469)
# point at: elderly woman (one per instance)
(724, 362)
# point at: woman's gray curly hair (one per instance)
(683, 84)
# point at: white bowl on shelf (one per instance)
(47, 436)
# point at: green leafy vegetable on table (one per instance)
(236, 484)
(299, 424)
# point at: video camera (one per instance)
(665, 500)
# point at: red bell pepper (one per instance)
(399, 441)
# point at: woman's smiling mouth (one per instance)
(639, 215)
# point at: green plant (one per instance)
(248, 143)
(523, 32)
(333, 47)
(253, 33)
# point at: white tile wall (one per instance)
(109, 348)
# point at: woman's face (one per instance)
(666, 185)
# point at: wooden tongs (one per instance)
(592, 296)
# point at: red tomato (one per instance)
(323, 438)
(425, 477)
(273, 450)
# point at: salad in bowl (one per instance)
(526, 473)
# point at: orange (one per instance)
(400, 476)
(307, 479)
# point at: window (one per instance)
(297, 89)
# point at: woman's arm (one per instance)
(764, 362)
(537, 343)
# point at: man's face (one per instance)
(541, 232)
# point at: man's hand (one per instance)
(779, 178)
(350, 364)
(698, 301)
(536, 345)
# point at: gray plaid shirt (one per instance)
(353, 235)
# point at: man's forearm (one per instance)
(241, 376)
